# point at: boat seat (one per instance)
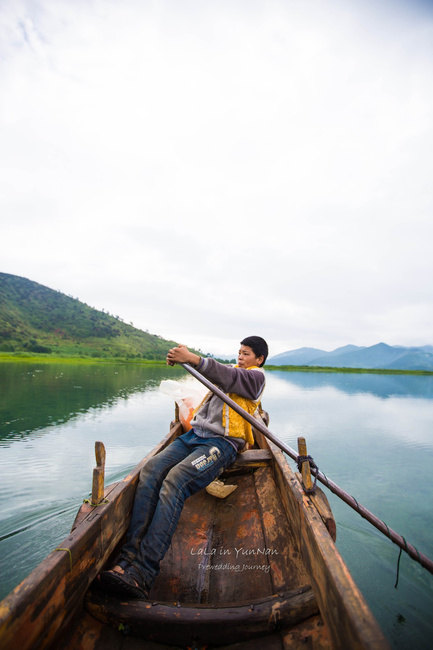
(252, 458)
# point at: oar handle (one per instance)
(351, 501)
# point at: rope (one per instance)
(398, 569)
(101, 503)
(68, 550)
(309, 459)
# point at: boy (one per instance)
(187, 465)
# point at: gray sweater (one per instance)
(207, 422)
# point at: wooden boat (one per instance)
(258, 569)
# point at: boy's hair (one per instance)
(258, 346)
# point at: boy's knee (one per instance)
(148, 469)
(174, 478)
(177, 483)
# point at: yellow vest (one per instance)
(234, 424)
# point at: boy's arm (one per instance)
(243, 382)
(246, 383)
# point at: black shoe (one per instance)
(122, 584)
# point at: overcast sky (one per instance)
(211, 169)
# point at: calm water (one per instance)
(372, 434)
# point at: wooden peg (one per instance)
(305, 466)
(98, 474)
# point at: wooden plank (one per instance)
(203, 625)
(254, 458)
(320, 501)
(98, 474)
(287, 568)
(183, 575)
(311, 634)
(235, 567)
(272, 641)
(87, 633)
(181, 578)
(86, 509)
(248, 461)
(305, 466)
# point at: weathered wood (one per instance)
(311, 633)
(253, 458)
(248, 461)
(91, 634)
(98, 474)
(269, 510)
(273, 642)
(305, 466)
(184, 625)
(181, 577)
(323, 508)
(320, 501)
(237, 534)
(343, 608)
(87, 633)
(207, 542)
(86, 509)
(286, 568)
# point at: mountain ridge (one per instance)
(379, 356)
(35, 318)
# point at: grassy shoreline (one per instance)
(23, 357)
(376, 371)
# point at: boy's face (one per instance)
(247, 358)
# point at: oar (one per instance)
(351, 501)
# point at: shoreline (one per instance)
(8, 357)
(377, 371)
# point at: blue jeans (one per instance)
(183, 468)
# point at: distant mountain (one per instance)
(298, 357)
(34, 318)
(344, 350)
(379, 356)
(413, 359)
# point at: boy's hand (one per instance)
(181, 354)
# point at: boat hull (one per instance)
(260, 566)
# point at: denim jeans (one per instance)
(183, 468)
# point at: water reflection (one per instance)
(50, 416)
(371, 434)
(33, 397)
(383, 386)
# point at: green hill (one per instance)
(34, 318)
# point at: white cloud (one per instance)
(208, 170)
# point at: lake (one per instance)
(372, 434)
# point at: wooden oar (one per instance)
(351, 501)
